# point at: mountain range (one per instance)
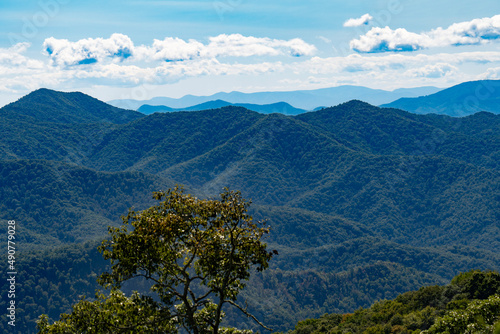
(302, 99)
(279, 107)
(364, 202)
(461, 100)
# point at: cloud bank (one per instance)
(119, 48)
(475, 32)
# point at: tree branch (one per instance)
(248, 314)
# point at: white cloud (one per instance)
(477, 31)
(120, 47)
(438, 70)
(363, 20)
(17, 70)
(87, 51)
(492, 73)
(386, 39)
(147, 65)
(13, 58)
(394, 62)
(393, 70)
(236, 45)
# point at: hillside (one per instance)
(469, 304)
(356, 161)
(460, 100)
(64, 203)
(354, 190)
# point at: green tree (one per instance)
(197, 254)
(480, 316)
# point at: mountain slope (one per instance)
(161, 140)
(460, 100)
(386, 169)
(46, 105)
(383, 131)
(57, 203)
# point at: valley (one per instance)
(364, 202)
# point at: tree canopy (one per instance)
(196, 253)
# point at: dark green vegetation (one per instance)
(279, 107)
(364, 203)
(48, 106)
(460, 100)
(469, 304)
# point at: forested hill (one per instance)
(45, 105)
(377, 194)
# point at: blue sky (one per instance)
(141, 49)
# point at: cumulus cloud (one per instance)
(120, 47)
(363, 20)
(87, 51)
(386, 39)
(119, 63)
(477, 31)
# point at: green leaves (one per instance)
(113, 313)
(197, 253)
(452, 309)
(479, 317)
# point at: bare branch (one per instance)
(248, 314)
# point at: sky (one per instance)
(131, 49)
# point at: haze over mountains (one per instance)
(461, 100)
(279, 107)
(364, 202)
(302, 99)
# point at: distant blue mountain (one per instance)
(303, 99)
(461, 100)
(280, 107)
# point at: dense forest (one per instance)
(364, 203)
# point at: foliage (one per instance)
(115, 313)
(479, 317)
(51, 281)
(198, 254)
(463, 306)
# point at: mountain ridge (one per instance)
(72, 107)
(353, 187)
(460, 100)
(302, 99)
(278, 107)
